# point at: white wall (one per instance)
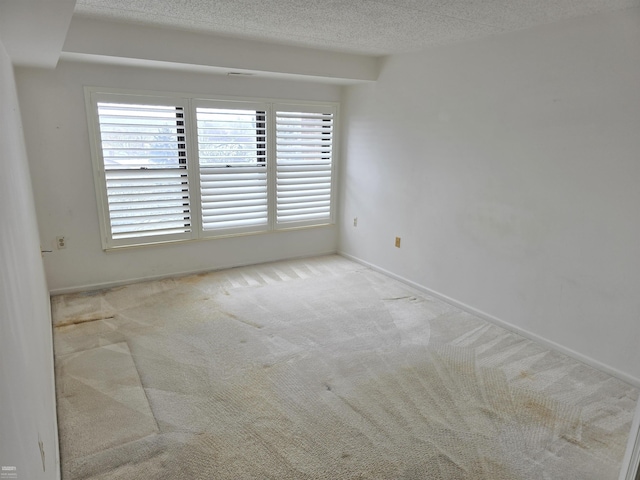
(27, 404)
(53, 110)
(510, 167)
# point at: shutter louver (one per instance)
(303, 166)
(144, 156)
(233, 171)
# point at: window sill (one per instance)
(281, 230)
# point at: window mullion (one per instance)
(271, 166)
(194, 170)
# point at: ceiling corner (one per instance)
(33, 31)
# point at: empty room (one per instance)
(319, 240)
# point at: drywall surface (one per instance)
(510, 168)
(27, 402)
(56, 132)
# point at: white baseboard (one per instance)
(633, 381)
(129, 281)
(56, 435)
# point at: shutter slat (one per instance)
(209, 131)
(156, 225)
(137, 211)
(150, 198)
(130, 138)
(304, 174)
(285, 187)
(178, 191)
(132, 122)
(239, 192)
(301, 156)
(286, 184)
(304, 217)
(235, 213)
(304, 205)
(157, 217)
(233, 203)
(147, 233)
(306, 210)
(145, 181)
(125, 173)
(156, 202)
(149, 167)
(287, 170)
(252, 185)
(253, 197)
(254, 223)
(230, 175)
(284, 195)
(286, 164)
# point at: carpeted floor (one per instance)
(319, 369)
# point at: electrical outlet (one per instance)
(355, 221)
(398, 242)
(61, 243)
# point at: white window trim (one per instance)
(190, 102)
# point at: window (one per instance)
(304, 166)
(179, 168)
(145, 170)
(233, 168)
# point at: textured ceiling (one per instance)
(374, 27)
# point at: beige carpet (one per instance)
(319, 369)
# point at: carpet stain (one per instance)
(573, 440)
(539, 412)
(524, 374)
(77, 321)
(193, 279)
(238, 319)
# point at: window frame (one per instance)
(266, 133)
(99, 171)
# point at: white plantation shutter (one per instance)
(232, 154)
(143, 152)
(304, 164)
(173, 167)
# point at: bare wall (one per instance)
(28, 438)
(56, 132)
(510, 168)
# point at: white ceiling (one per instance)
(373, 27)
